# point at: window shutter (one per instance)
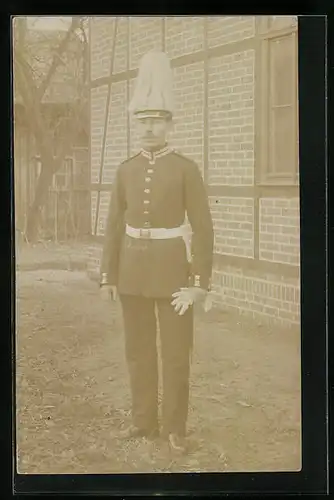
(279, 100)
(282, 135)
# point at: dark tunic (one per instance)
(157, 191)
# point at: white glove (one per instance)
(108, 292)
(187, 297)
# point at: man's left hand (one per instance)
(186, 297)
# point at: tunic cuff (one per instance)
(199, 281)
(104, 279)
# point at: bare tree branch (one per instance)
(54, 133)
(55, 62)
(25, 81)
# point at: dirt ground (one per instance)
(73, 396)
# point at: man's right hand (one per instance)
(108, 292)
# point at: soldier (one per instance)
(149, 261)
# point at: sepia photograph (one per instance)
(157, 244)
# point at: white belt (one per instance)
(162, 233)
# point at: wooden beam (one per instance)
(251, 267)
(278, 33)
(260, 107)
(26, 161)
(277, 191)
(117, 77)
(106, 120)
(104, 186)
(163, 33)
(259, 191)
(90, 222)
(222, 262)
(231, 191)
(128, 130)
(206, 104)
(194, 57)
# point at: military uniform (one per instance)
(157, 190)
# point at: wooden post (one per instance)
(206, 129)
(106, 118)
(56, 215)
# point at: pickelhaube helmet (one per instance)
(153, 93)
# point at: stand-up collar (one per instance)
(153, 155)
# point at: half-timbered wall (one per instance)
(236, 88)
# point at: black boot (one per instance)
(177, 443)
(135, 432)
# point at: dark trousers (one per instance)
(176, 336)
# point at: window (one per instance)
(63, 179)
(281, 22)
(278, 100)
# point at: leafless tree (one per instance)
(64, 61)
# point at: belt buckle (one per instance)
(145, 233)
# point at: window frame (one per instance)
(66, 172)
(266, 34)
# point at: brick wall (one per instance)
(279, 230)
(116, 143)
(233, 220)
(116, 140)
(134, 141)
(229, 29)
(104, 203)
(184, 35)
(231, 149)
(261, 296)
(231, 119)
(187, 135)
(100, 36)
(145, 34)
(98, 104)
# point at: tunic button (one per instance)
(146, 212)
(146, 202)
(147, 190)
(147, 179)
(150, 171)
(147, 224)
